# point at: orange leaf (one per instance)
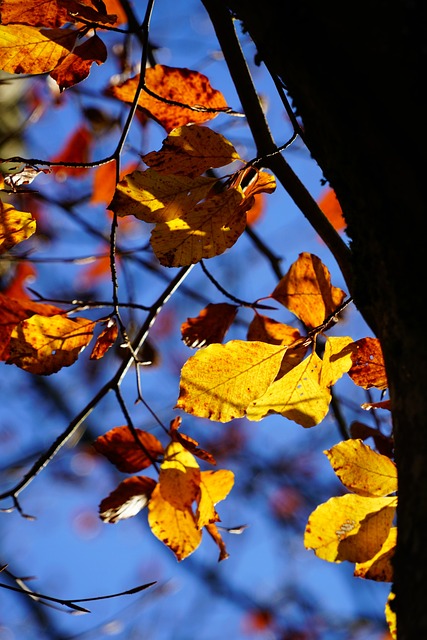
(330, 206)
(15, 226)
(306, 290)
(368, 368)
(215, 535)
(120, 447)
(210, 326)
(76, 149)
(76, 66)
(380, 567)
(179, 477)
(42, 345)
(189, 443)
(268, 330)
(26, 49)
(105, 340)
(130, 497)
(214, 487)
(256, 211)
(52, 13)
(180, 85)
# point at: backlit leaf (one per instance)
(215, 535)
(298, 395)
(350, 527)
(268, 330)
(189, 443)
(380, 567)
(368, 368)
(128, 499)
(51, 13)
(363, 470)
(76, 66)
(190, 151)
(219, 382)
(209, 326)
(330, 206)
(120, 447)
(214, 487)
(44, 345)
(337, 359)
(306, 290)
(179, 477)
(25, 49)
(15, 226)
(180, 85)
(212, 227)
(153, 197)
(105, 340)
(390, 614)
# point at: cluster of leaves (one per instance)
(197, 215)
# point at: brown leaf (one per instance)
(368, 368)
(105, 340)
(209, 326)
(128, 499)
(120, 447)
(216, 536)
(180, 85)
(76, 66)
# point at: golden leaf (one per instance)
(390, 615)
(153, 197)
(350, 527)
(212, 227)
(190, 151)
(298, 395)
(187, 87)
(220, 381)
(337, 359)
(363, 470)
(380, 567)
(26, 49)
(268, 330)
(179, 476)
(306, 290)
(44, 345)
(214, 487)
(15, 226)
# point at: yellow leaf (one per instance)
(349, 527)
(212, 227)
(15, 226)
(380, 567)
(153, 197)
(337, 359)
(298, 395)
(268, 330)
(306, 290)
(179, 478)
(25, 49)
(43, 345)
(391, 616)
(176, 528)
(220, 381)
(190, 151)
(214, 487)
(363, 470)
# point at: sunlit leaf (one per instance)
(25, 49)
(368, 368)
(306, 290)
(212, 227)
(337, 359)
(42, 345)
(179, 477)
(214, 487)
(105, 340)
(15, 226)
(76, 66)
(216, 536)
(380, 567)
(390, 615)
(180, 85)
(350, 527)
(153, 197)
(189, 443)
(219, 382)
(120, 447)
(269, 330)
(298, 395)
(52, 13)
(209, 326)
(190, 151)
(330, 206)
(128, 499)
(363, 470)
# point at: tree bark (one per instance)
(355, 74)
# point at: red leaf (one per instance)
(127, 500)
(122, 450)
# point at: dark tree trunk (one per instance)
(356, 74)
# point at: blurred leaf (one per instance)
(330, 206)
(15, 226)
(76, 149)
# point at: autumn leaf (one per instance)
(129, 455)
(350, 527)
(390, 614)
(269, 330)
(209, 326)
(15, 226)
(306, 290)
(51, 13)
(76, 66)
(105, 340)
(337, 359)
(25, 49)
(191, 150)
(216, 537)
(363, 470)
(128, 499)
(219, 382)
(179, 476)
(189, 443)
(43, 345)
(212, 227)
(76, 149)
(184, 86)
(330, 206)
(153, 197)
(214, 487)
(380, 566)
(368, 368)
